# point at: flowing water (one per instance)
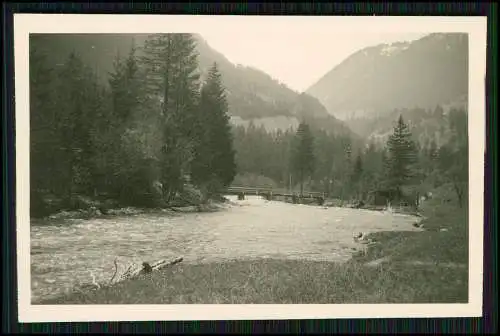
(69, 253)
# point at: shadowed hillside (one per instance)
(252, 94)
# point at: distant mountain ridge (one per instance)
(252, 94)
(376, 80)
(255, 96)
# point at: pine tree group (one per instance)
(136, 138)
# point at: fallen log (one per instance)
(161, 264)
(130, 273)
(147, 268)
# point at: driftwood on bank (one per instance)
(132, 271)
(145, 268)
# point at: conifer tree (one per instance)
(170, 67)
(214, 161)
(302, 156)
(125, 83)
(121, 159)
(401, 156)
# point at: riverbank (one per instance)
(88, 208)
(403, 267)
(94, 212)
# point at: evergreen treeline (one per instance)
(400, 170)
(273, 156)
(426, 124)
(136, 140)
(155, 130)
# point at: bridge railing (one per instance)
(275, 191)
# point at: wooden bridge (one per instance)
(271, 193)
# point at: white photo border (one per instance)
(24, 24)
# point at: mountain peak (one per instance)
(423, 73)
(394, 48)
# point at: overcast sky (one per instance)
(296, 59)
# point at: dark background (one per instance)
(486, 324)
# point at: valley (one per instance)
(148, 133)
(352, 110)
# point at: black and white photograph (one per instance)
(253, 164)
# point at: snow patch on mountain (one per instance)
(393, 48)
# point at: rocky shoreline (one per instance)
(95, 212)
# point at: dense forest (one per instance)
(139, 140)
(155, 134)
(344, 169)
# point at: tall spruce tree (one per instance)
(302, 156)
(214, 161)
(401, 157)
(170, 67)
(123, 157)
(125, 84)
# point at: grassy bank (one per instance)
(404, 267)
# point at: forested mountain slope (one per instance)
(378, 79)
(252, 94)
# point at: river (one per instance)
(69, 252)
